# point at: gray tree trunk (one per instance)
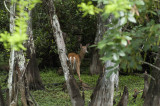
(96, 65)
(152, 97)
(146, 86)
(104, 92)
(21, 68)
(11, 79)
(33, 76)
(72, 87)
(17, 68)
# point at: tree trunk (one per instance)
(104, 91)
(96, 65)
(33, 76)
(146, 85)
(153, 95)
(72, 86)
(16, 75)
(20, 66)
(12, 79)
(1, 98)
(124, 98)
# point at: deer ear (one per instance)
(80, 45)
(87, 44)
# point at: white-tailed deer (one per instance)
(75, 59)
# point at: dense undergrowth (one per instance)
(53, 95)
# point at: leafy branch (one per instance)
(16, 39)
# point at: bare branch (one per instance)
(151, 65)
(149, 76)
(7, 8)
(140, 91)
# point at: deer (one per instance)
(76, 59)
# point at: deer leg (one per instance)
(78, 71)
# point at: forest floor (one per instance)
(53, 95)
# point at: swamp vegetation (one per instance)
(54, 95)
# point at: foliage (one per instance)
(116, 44)
(72, 23)
(3, 77)
(89, 8)
(19, 33)
(4, 18)
(143, 41)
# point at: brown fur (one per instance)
(75, 59)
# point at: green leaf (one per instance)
(121, 53)
(123, 21)
(93, 45)
(111, 72)
(128, 37)
(131, 18)
(140, 2)
(115, 56)
(104, 59)
(101, 44)
(124, 42)
(110, 43)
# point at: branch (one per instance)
(151, 65)
(149, 76)
(8, 9)
(140, 91)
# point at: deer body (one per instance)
(75, 59)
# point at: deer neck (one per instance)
(81, 55)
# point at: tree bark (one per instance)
(16, 75)
(96, 65)
(104, 91)
(20, 67)
(146, 85)
(124, 98)
(153, 95)
(12, 99)
(1, 98)
(72, 86)
(33, 76)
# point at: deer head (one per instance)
(84, 48)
